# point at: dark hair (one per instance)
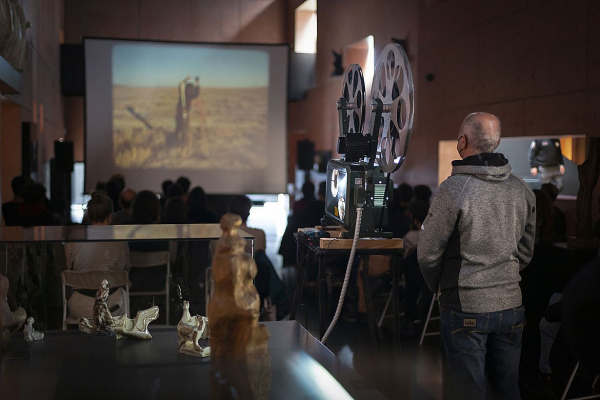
(175, 190)
(241, 206)
(184, 183)
(166, 185)
(322, 189)
(99, 207)
(196, 201)
(146, 208)
(114, 189)
(174, 211)
(422, 193)
(405, 193)
(17, 184)
(308, 190)
(419, 211)
(34, 193)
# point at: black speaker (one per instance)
(306, 155)
(63, 155)
(28, 149)
(72, 70)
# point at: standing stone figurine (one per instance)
(10, 321)
(30, 333)
(239, 354)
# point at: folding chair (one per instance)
(91, 280)
(428, 319)
(153, 259)
(566, 391)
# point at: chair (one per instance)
(91, 280)
(153, 259)
(209, 287)
(566, 391)
(428, 319)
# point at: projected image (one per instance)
(183, 107)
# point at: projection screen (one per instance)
(212, 112)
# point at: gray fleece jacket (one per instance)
(478, 235)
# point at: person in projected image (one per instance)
(188, 91)
(546, 162)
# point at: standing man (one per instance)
(188, 91)
(478, 235)
(546, 161)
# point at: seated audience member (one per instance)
(197, 206)
(35, 211)
(166, 185)
(398, 220)
(307, 200)
(10, 209)
(125, 215)
(146, 211)
(560, 219)
(114, 187)
(185, 184)
(423, 194)
(174, 211)
(241, 206)
(403, 195)
(544, 219)
(97, 256)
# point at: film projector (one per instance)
(361, 178)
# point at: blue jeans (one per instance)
(480, 345)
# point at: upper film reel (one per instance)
(353, 91)
(393, 85)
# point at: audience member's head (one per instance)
(34, 194)
(322, 190)
(184, 183)
(241, 206)
(101, 186)
(423, 193)
(175, 190)
(174, 211)
(308, 191)
(197, 200)
(146, 208)
(404, 193)
(479, 133)
(166, 185)
(99, 208)
(550, 190)
(126, 199)
(418, 212)
(113, 190)
(120, 179)
(17, 184)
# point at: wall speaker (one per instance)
(306, 155)
(63, 156)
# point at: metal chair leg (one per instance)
(427, 319)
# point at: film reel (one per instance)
(353, 91)
(393, 85)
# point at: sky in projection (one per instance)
(154, 65)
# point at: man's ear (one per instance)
(109, 219)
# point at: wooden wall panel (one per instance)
(108, 18)
(593, 40)
(557, 38)
(502, 54)
(562, 114)
(490, 9)
(592, 128)
(163, 20)
(458, 69)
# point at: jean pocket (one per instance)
(518, 323)
(468, 331)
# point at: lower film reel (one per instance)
(353, 91)
(393, 85)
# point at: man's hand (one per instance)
(562, 169)
(534, 171)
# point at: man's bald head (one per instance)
(126, 198)
(482, 131)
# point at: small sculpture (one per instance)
(10, 321)
(29, 333)
(104, 323)
(234, 308)
(191, 330)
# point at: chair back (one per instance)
(93, 279)
(149, 259)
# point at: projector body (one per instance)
(352, 184)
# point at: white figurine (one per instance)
(190, 330)
(29, 333)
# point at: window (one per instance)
(306, 28)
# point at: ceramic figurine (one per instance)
(30, 333)
(191, 330)
(234, 309)
(10, 321)
(105, 324)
